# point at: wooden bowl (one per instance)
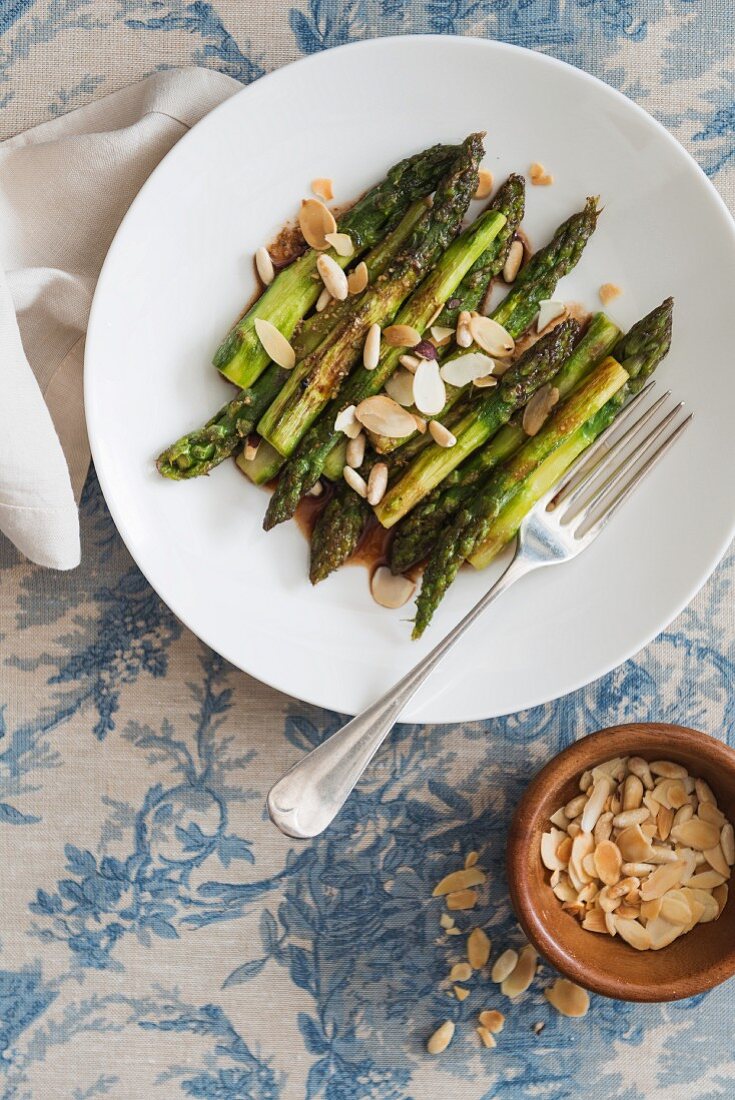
(696, 961)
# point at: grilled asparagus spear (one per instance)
(240, 356)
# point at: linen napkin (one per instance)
(64, 188)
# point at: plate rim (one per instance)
(436, 40)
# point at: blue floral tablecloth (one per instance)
(157, 937)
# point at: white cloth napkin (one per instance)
(64, 188)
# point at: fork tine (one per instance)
(588, 495)
(641, 468)
(579, 468)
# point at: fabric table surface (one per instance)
(158, 938)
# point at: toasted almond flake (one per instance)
(727, 842)
(660, 853)
(315, 221)
(323, 300)
(696, 834)
(513, 261)
(607, 903)
(371, 348)
(356, 482)
(490, 336)
(441, 1038)
(608, 292)
(459, 880)
(588, 864)
(264, 266)
(446, 921)
(577, 908)
(599, 792)
(608, 862)
(564, 851)
(382, 415)
(573, 828)
(559, 818)
(594, 921)
(716, 859)
(441, 435)
(676, 794)
(488, 1039)
(632, 793)
(568, 999)
(402, 336)
(651, 909)
(575, 806)
(460, 992)
(463, 336)
(521, 977)
(400, 387)
(484, 184)
(664, 822)
(638, 766)
(585, 780)
(464, 369)
(410, 362)
(709, 812)
(624, 887)
(668, 769)
(706, 880)
(471, 859)
(324, 188)
(633, 933)
(460, 972)
(689, 857)
(631, 817)
(355, 452)
(615, 804)
(377, 483)
(504, 965)
(648, 828)
(492, 1020)
(704, 791)
(421, 424)
(386, 589)
(275, 344)
(252, 446)
(720, 895)
(675, 907)
(637, 870)
(663, 879)
(652, 804)
(347, 423)
(485, 382)
(634, 845)
(603, 828)
(333, 277)
(478, 948)
(538, 408)
(316, 490)
(341, 243)
(462, 899)
(582, 845)
(662, 932)
(703, 905)
(429, 391)
(549, 310)
(357, 279)
(441, 335)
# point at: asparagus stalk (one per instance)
(318, 325)
(488, 412)
(307, 463)
(640, 352)
(418, 531)
(471, 523)
(337, 532)
(240, 356)
(315, 379)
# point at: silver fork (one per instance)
(558, 528)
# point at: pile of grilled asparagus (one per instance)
(463, 498)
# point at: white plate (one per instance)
(180, 270)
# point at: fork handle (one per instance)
(309, 796)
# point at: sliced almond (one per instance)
(492, 1020)
(391, 591)
(324, 188)
(275, 344)
(633, 933)
(727, 843)
(706, 880)
(323, 300)
(634, 845)
(341, 243)
(491, 336)
(357, 279)
(704, 791)
(410, 362)
(585, 780)
(459, 880)
(347, 423)
(429, 391)
(575, 806)
(478, 948)
(631, 817)
(550, 843)
(607, 903)
(588, 864)
(420, 424)
(504, 965)
(564, 850)
(660, 853)
(382, 415)
(603, 828)
(709, 812)
(463, 336)
(487, 1037)
(460, 972)
(521, 977)
(462, 899)
(400, 387)
(513, 261)
(441, 335)
(376, 486)
(720, 895)
(559, 818)
(716, 859)
(689, 858)
(662, 932)
(608, 292)
(441, 1038)
(358, 483)
(651, 909)
(467, 368)
(638, 766)
(549, 311)
(703, 903)
(536, 412)
(485, 382)
(355, 452)
(484, 184)
(696, 834)
(668, 769)
(675, 907)
(315, 221)
(632, 793)
(600, 790)
(663, 879)
(628, 912)
(608, 862)
(624, 888)
(402, 336)
(264, 266)
(568, 999)
(582, 845)
(684, 813)
(252, 446)
(639, 870)
(664, 822)
(441, 435)
(594, 921)
(333, 277)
